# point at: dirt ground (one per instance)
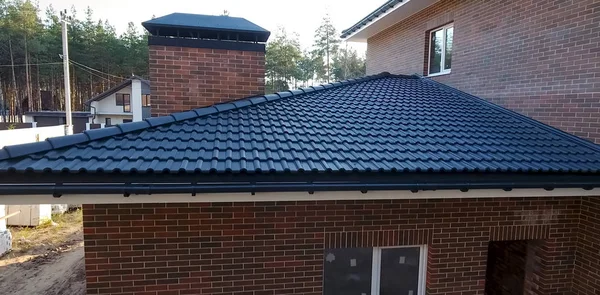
(46, 260)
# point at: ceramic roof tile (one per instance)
(382, 123)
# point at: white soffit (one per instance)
(294, 196)
(391, 17)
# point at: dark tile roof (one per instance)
(188, 25)
(118, 87)
(381, 123)
(369, 18)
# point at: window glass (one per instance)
(435, 54)
(448, 51)
(127, 120)
(107, 122)
(126, 103)
(119, 99)
(348, 271)
(399, 271)
(146, 100)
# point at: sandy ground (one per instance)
(46, 269)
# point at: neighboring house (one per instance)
(124, 103)
(54, 118)
(540, 58)
(389, 184)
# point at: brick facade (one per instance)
(277, 247)
(186, 78)
(537, 57)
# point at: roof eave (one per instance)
(384, 17)
(127, 189)
(166, 183)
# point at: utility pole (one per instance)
(65, 42)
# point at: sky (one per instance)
(302, 16)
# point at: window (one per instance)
(440, 50)
(374, 271)
(146, 100)
(124, 100)
(107, 122)
(127, 120)
(119, 99)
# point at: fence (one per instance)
(19, 136)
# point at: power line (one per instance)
(91, 73)
(92, 69)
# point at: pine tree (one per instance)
(326, 46)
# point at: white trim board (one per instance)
(292, 196)
(376, 268)
(389, 18)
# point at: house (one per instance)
(81, 120)
(127, 102)
(296, 192)
(386, 184)
(539, 58)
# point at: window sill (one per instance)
(440, 74)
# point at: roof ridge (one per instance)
(544, 126)
(15, 151)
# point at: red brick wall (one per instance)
(277, 247)
(587, 265)
(538, 57)
(187, 78)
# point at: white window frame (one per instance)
(442, 66)
(376, 270)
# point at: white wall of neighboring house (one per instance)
(107, 107)
(114, 119)
(136, 100)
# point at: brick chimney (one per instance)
(199, 60)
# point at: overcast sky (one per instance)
(301, 16)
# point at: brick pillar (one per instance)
(550, 267)
(586, 279)
(457, 267)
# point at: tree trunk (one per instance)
(38, 88)
(28, 79)
(327, 49)
(3, 110)
(17, 102)
(53, 103)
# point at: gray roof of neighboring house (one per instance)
(115, 89)
(372, 16)
(190, 25)
(58, 114)
(383, 131)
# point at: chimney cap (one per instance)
(217, 27)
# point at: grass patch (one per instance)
(47, 236)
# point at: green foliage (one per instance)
(282, 57)
(287, 66)
(38, 43)
(326, 46)
(347, 65)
